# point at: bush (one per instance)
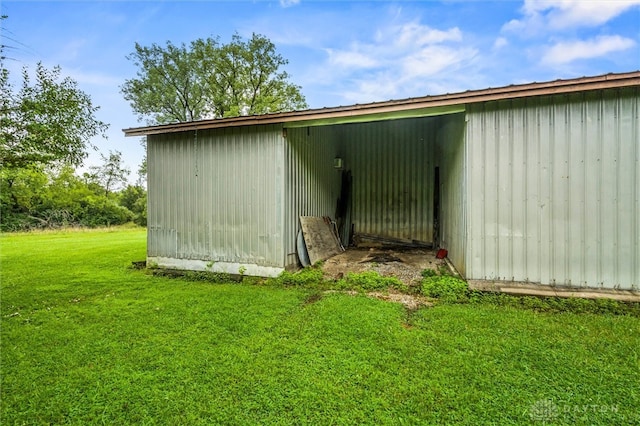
(140, 212)
(102, 211)
(446, 288)
(35, 198)
(12, 222)
(134, 198)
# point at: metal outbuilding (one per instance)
(535, 183)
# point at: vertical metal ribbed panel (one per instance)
(217, 195)
(553, 190)
(393, 167)
(451, 157)
(312, 183)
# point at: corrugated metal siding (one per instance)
(312, 183)
(217, 195)
(451, 160)
(553, 190)
(393, 167)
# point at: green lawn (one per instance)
(88, 340)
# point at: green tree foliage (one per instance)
(47, 120)
(112, 174)
(208, 79)
(78, 202)
(168, 86)
(46, 127)
(37, 198)
(134, 198)
(142, 172)
(21, 195)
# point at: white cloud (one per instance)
(414, 34)
(375, 88)
(351, 59)
(432, 60)
(569, 51)
(563, 14)
(500, 43)
(577, 13)
(71, 51)
(288, 3)
(397, 61)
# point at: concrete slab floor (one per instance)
(528, 289)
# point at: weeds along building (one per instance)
(536, 183)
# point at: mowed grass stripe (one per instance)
(88, 340)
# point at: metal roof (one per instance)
(404, 108)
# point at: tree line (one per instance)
(54, 196)
(47, 125)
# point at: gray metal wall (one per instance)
(217, 195)
(312, 183)
(392, 163)
(451, 150)
(553, 190)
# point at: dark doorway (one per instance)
(436, 208)
(343, 208)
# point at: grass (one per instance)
(88, 340)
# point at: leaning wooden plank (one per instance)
(319, 238)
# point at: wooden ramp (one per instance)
(319, 238)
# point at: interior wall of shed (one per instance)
(392, 166)
(451, 160)
(312, 184)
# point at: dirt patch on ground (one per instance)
(406, 264)
(410, 301)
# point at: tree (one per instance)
(142, 167)
(210, 80)
(112, 173)
(134, 198)
(142, 172)
(45, 128)
(168, 86)
(47, 121)
(21, 190)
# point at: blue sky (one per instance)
(340, 53)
